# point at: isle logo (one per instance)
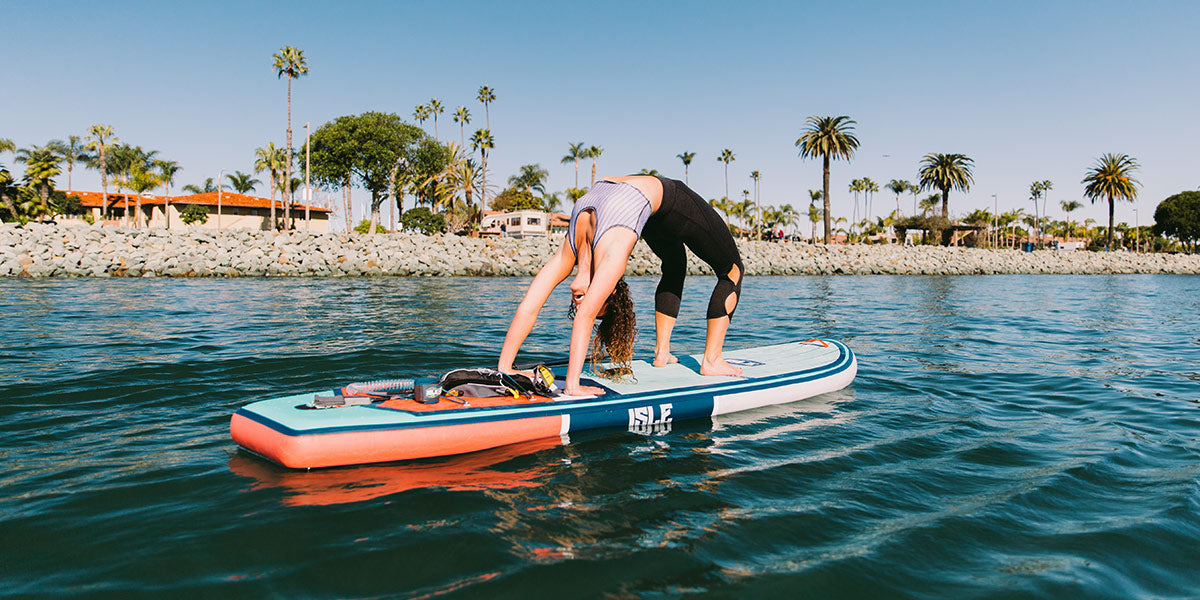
(647, 420)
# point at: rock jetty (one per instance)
(81, 251)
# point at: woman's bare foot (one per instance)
(662, 360)
(719, 367)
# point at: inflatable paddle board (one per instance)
(311, 430)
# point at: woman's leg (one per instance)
(669, 293)
(721, 306)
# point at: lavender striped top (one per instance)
(616, 205)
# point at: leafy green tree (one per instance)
(428, 164)
(551, 202)
(1179, 216)
(726, 157)
(653, 172)
(41, 167)
(897, 187)
(487, 96)
(574, 153)
(1111, 179)
(531, 178)
(99, 138)
(423, 220)
(686, 157)
(515, 198)
(365, 150)
(726, 207)
(831, 138)
(8, 191)
(462, 116)
(594, 152)
(288, 61)
(242, 183)
(71, 151)
(945, 172)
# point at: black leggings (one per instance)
(685, 219)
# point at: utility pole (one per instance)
(995, 221)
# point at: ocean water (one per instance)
(1009, 436)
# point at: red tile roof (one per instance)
(95, 199)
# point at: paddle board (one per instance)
(290, 432)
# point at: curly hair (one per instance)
(615, 334)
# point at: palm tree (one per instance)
(41, 167)
(141, 180)
(421, 114)
(946, 172)
(71, 151)
(594, 152)
(856, 186)
(1068, 207)
(462, 116)
(483, 141)
(270, 159)
(435, 109)
(868, 187)
(574, 153)
(755, 175)
(725, 205)
(829, 138)
(487, 96)
(726, 157)
(242, 183)
(898, 186)
(686, 157)
(1111, 179)
(166, 176)
(1037, 190)
(100, 137)
(531, 178)
(289, 61)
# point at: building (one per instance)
(226, 210)
(523, 223)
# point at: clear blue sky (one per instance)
(1030, 90)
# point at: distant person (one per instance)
(604, 227)
(503, 229)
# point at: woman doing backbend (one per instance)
(605, 225)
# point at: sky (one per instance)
(1030, 90)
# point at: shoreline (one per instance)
(56, 251)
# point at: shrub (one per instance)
(423, 220)
(365, 226)
(194, 213)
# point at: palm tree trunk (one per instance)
(137, 216)
(946, 203)
(103, 182)
(593, 172)
(825, 198)
(483, 192)
(1111, 207)
(576, 173)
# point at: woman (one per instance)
(605, 225)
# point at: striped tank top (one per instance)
(616, 205)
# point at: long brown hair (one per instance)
(615, 334)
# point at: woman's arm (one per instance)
(611, 257)
(556, 269)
